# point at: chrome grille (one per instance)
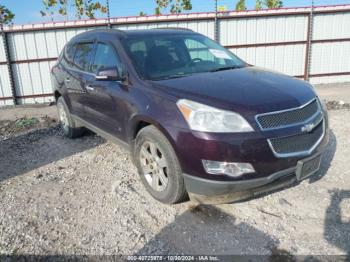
(288, 117)
(300, 144)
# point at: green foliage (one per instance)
(26, 122)
(274, 3)
(259, 4)
(142, 13)
(6, 16)
(83, 8)
(176, 6)
(240, 6)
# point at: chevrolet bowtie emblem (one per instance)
(308, 128)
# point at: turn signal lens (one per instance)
(226, 168)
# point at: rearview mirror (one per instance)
(109, 74)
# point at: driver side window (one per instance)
(105, 57)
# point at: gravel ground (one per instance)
(83, 197)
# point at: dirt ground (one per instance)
(83, 197)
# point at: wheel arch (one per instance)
(139, 122)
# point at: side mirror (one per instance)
(109, 74)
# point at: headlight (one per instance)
(209, 119)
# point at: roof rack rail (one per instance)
(174, 28)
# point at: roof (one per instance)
(139, 32)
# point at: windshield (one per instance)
(158, 57)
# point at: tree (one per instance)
(6, 16)
(83, 8)
(273, 3)
(142, 13)
(259, 4)
(240, 6)
(176, 6)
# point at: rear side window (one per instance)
(68, 54)
(105, 57)
(83, 55)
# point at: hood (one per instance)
(248, 90)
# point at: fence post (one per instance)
(308, 53)
(8, 63)
(216, 23)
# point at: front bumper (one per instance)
(206, 191)
(218, 192)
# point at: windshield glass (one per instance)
(158, 57)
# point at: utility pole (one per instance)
(216, 23)
(108, 15)
(309, 42)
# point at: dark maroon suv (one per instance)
(198, 120)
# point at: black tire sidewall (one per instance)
(175, 187)
(60, 101)
(72, 131)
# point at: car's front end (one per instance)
(285, 148)
(233, 146)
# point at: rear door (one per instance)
(105, 103)
(78, 74)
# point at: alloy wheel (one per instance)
(154, 166)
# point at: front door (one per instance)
(104, 106)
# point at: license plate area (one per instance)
(308, 166)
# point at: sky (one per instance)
(27, 11)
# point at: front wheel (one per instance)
(68, 125)
(158, 166)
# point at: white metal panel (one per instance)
(2, 51)
(33, 78)
(330, 79)
(263, 30)
(330, 58)
(36, 100)
(285, 59)
(17, 46)
(51, 43)
(331, 26)
(40, 42)
(5, 89)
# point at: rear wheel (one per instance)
(158, 166)
(69, 127)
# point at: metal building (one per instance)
(303, 42)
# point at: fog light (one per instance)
(225, 168)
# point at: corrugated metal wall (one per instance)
(331, 57)
(274, 39)
(288, 59)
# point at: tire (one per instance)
(69, 127)
(165, 181)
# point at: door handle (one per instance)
(67, 80)
(90, 88)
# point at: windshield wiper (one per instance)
(172, 76)
(224, 68)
